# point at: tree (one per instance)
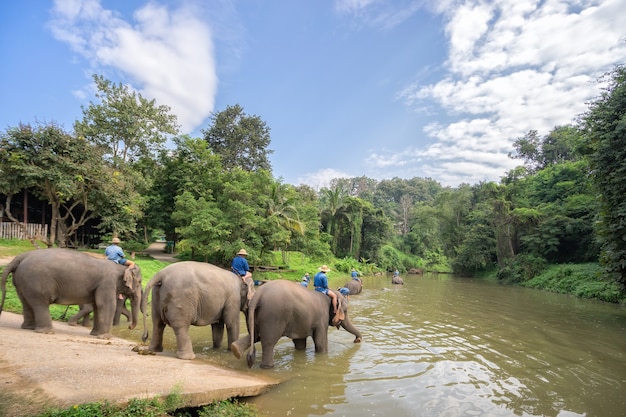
(605, 129)
(240, 140)
(66, 172)
(127, 125)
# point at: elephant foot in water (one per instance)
(239, 346)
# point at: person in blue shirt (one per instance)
(115, 253)
(355, 276)
(305, 280)
(320, 281)
(240, 265)
(344, 291)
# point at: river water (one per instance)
(447, 346)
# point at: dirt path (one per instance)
(70, 367)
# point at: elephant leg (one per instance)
(29, 316)
(87, 320)
(43, 320)
(239, 347)
(267, 359)
(320, 339)
(217, 330)
(299, 344)
(101, 323)
(158, 327)
(119, 307)
(83, 313)
(184, 349)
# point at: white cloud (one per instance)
(321, 178)
(167, 53)
(512, 67)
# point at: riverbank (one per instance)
(39, 371)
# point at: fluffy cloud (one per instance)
(512, 67)
(167, 53)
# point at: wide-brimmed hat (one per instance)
(242, 252)
(324, 268)
(115, 240)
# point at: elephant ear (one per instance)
(250, 284)
(129, 276)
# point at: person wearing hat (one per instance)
(305, 280)
(344, 291)
(320, 281)
(115, 253)
(355, 276)
(240, 265)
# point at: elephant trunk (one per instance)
(347, 325)
(135, 306)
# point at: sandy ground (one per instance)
(70, 367)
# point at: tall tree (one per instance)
(241, 140)
(605, 128)
(127, 125)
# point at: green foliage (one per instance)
(522, 268)
(581, 280)
(605, 127)
(232, 408)
(239, 139)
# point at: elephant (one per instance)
(65, 276)
(284, 308)
(86, 309)
(397, 280)
(195, 293)
(355, 286)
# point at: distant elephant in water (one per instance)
(355, 286)
(195, 293)
(397, 280)
(284, 308)
(86, 309)
(67, 277)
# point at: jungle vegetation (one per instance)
(560, 213)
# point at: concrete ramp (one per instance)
(71, 367)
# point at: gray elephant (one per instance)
(284, 308)
(86, 309)
(397, 280)
(64, 276)
(195, 293)
(355, 286)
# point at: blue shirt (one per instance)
(240, 265)
(320, 281)
(355, 275)
(115, 253)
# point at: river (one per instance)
(447, 346)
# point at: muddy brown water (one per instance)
(449, 346)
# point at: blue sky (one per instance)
(385, 89)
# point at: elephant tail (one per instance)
(156, 280)
(10, 268)
(252, 352)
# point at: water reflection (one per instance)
(443, 346)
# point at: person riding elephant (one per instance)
(283, 308)
(396, 278)
(320, 282)
(67, 277)
(195, 293)
(354, 286)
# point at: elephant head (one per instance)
(132, 289)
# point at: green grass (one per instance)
(172, 405)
